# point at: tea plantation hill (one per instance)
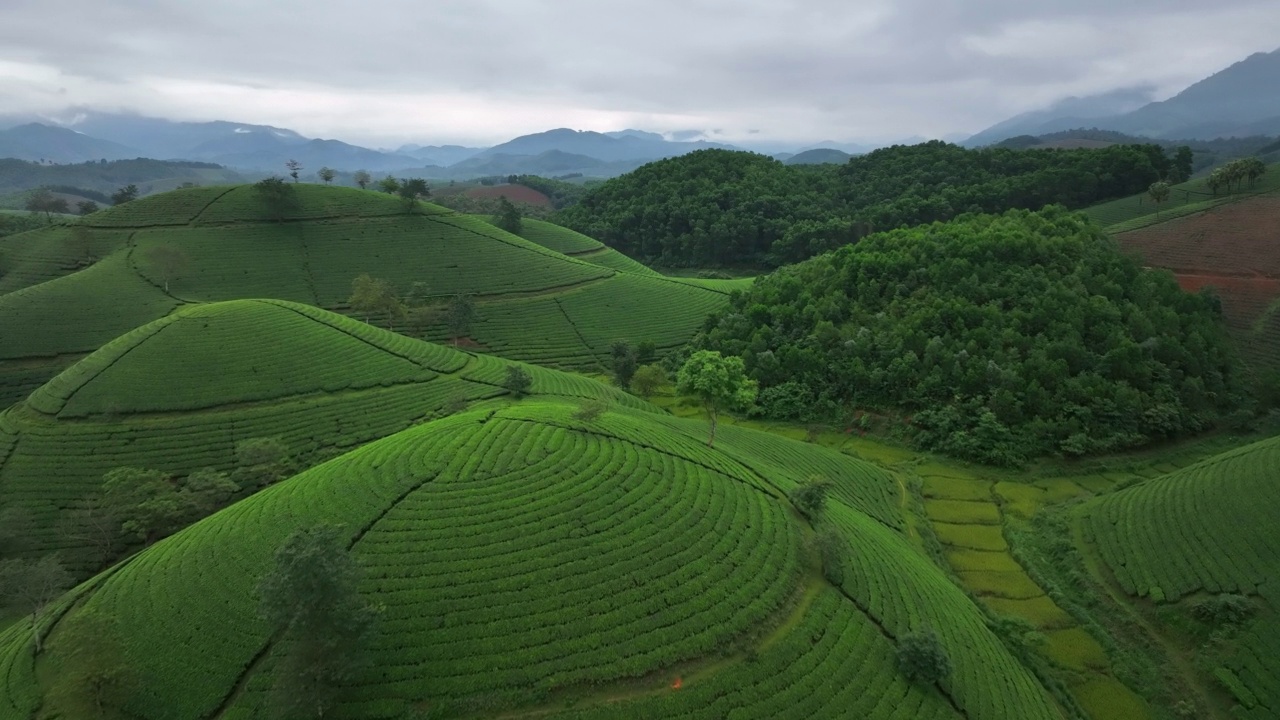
(528, 561)
(68, 290)
(179, 393)
(1205, 530)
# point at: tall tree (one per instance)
(362, 179)
(518, 380)
(648, 379)
(169, 262)
(42, 200)
(86, 207)
(371, 295)
(389, 185)
(719, 382)
(146, 501)
(326, 174)
(1183, 164)
(623, 361)
(128, 193)
(508, 216)
(1159, 192)
(31, 585)
(80, 244)
(278, 196)
(459, 316)
(411, 190)
(294, 167)
(311, 599)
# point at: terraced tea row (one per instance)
(534, 303)
(249, 369)
(1207, 528)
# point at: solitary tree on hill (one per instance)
(648, 379)
(362, 179)
(42, 200)
(411, 190)
(623, 359)
(508, 216)
(30, 585)
(311, 599)
(1159, 192)
(459, 316)
(518, 381)
(80, 244)
(326, 174)
(921, 657)
(169, 263)
(86, 207)
(278, 196)
(128, 193)
(719, 382)
(810, 497)
(389, 185)
(294, 167)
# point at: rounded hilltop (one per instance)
(529, 560)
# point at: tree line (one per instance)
(727, 208)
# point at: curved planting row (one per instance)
(178, 207)
(509, 556)
(556, 237)
(41, 255)
(1209, 528)
(1206, 527)
(243, 204)
(78, 313)
(835, 664)
(241, 351)
(904, 592)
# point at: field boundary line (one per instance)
(578, 333)
(242, 682)
(196, 218)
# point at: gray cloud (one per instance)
(484, 70)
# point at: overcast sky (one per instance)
(380, 72)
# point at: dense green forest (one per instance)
(725, 208)
(1002, 337)
(105, 177)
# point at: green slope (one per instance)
(575, 244)
(51, 304)
(525, 560)
(1187, 198)
(178, 394)
(1209, 528)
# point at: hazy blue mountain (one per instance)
(258, 150)
(443, 155)
(642, 134)
(1240, 101)
(819, 156)
(35, 141)
(596, 145)
(167, 139)
(1065, 114)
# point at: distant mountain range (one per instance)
(1240, 101)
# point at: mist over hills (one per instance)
(1236, 102)
(1239, 101)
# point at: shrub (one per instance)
(1225, 609)
(921, 657)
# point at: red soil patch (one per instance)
(1241, 238)
(514, 193)
(1234, 248)
(1244, 299)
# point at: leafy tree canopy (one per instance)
(1004, 336)
(719, 207)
